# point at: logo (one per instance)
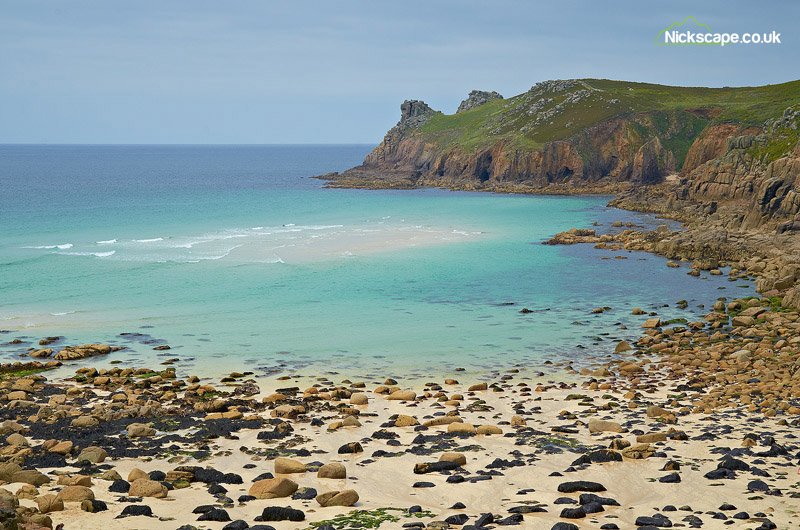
(691, 32)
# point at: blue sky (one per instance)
(335, 71)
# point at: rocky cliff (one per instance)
(597, 135)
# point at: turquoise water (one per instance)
(237, 259)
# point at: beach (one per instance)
(690, 424)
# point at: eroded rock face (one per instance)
(617, 151)
(476, 98)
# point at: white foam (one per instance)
(107, 242)
(95, 254)
(152, 240)
(62, 313)
(63, 246)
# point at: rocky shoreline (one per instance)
(691, 425)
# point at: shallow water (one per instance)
(237, 259)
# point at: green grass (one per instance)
(679, 114)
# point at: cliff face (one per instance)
(728, 153)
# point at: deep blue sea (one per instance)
(237, 259)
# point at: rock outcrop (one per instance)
(476, 98)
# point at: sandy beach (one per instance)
(521, 448)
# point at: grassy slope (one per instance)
(542, 115)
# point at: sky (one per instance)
(336, 71)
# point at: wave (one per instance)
(107, 242)
(151, 240)
(62, 313)
(63, 246)
(95, 254)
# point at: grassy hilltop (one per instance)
(557, 110)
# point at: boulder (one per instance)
(273, 488)
(286, 466)
(338, 498)
(598, 425)
(333, 470)
(404, 420)
(402, 395)
(140, 430)
(487, 429)
(93, 455)
(456, 458)
(461, 428)
(144, 487)
(359, 398)
(75, 494)
(49, 503)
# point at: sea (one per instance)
(239, 260)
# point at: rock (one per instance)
(304, 494)
(85, 422)
(144, 487)
(7, 470)
(459, 459)
(49, 503)
(651, 437)
(564, 526)
(442, 420)
(215, 514)
(75, 494)
(487, 429)
(277, 513)
(93, 506)
(137, 510)
(672, 478)
(273, 488)
(573, 513)
(757, 486)
(435, 467)
(476, 98)
(478, 386)
(62, 448)
(17, 439)
(622, 346)
(461, 428)
(286, 466)
(75, 480)
(137, 474)
(359, 398)
(638, 451)
(404, 420)
(580, 485)
(651, 323)
(140, 430)
(93, 455)
(83, 351)
(119, 486)
(402, 395)
(338, 498)
(30, 476)
(350, 448)
(598, 425)
(333, 470)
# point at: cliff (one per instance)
(579, 136)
